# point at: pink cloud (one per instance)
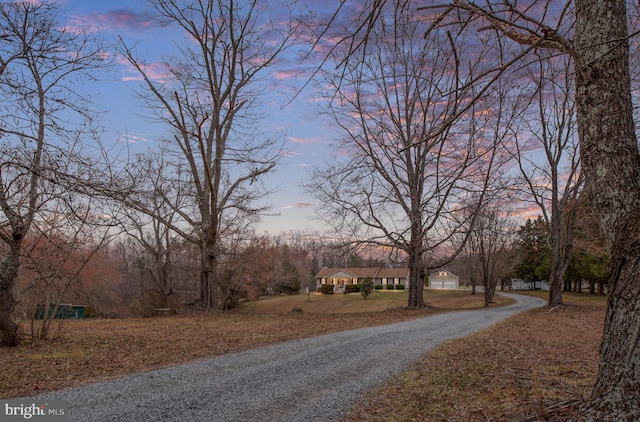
(525, 211)
(155, 71)
(120, 19)
(298, 205)
(306, 141)
(285, 74)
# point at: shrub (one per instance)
(367, 287)
(327, 289)
(390, 286)
(399, 286)
(352, 288)
(90, 312)
(140, 308)
(288, 287)
(378, 287)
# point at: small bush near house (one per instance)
(378, 287)
(367, 287)
(390, 286)
(399, 286)
(352, 288)
(327, 289)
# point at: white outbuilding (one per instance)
(443, 279)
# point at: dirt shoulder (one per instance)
(534, 366)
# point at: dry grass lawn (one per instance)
(536, 366)
(509, 372)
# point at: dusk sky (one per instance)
(306, 135)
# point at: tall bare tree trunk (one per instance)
(556, 274)
(611, 163)
(562, 246)
(8, 274)
(416, 245)
(488, 295)
(561, 251)
(208, 275)
(416, 279)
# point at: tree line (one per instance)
(127, 277)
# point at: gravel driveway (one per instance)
(315, 379)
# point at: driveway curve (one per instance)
(314, 379)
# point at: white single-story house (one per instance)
(344, 276)
(443, 279)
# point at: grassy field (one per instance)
(378, 302)
(519, 367)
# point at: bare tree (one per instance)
(64, 238)
(488, 248)
(168, 189)
(411, 158)
(598, 42)
(207, 100)
(547, 154)
(610, 158)
(41, 121)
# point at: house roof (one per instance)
(447, 274)
(362, 272)
(394, 272)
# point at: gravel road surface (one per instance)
(314, 379)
